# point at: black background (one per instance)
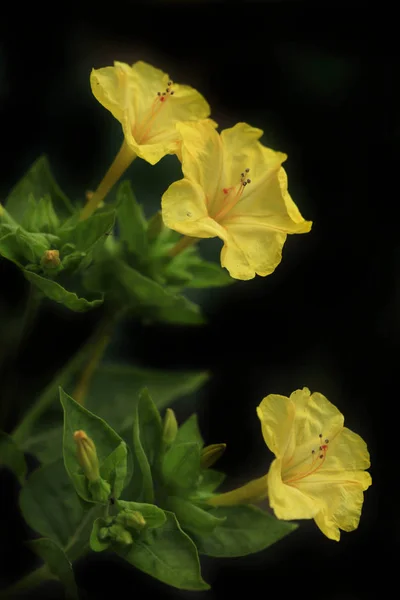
(320, 79)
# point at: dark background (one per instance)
(321, 80)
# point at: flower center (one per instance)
(143, 131)
(309, 465)
(232, 195)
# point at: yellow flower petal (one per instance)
(268, 204)
(276, 414)
(342, 502)
(201, 156)
(112, 86)
(241, 151)
(261, 249)
(289, 502)
(184, 209)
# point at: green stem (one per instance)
(64, 375)
(185, 242)
(121, 162)
(28, 582)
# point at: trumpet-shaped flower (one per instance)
(236, 189)
(319, 469)
(148, 104)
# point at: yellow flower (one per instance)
(319, 469)
(148, 104)
(234, 188)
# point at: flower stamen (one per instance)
(316, 463)
(158, 102)
(238, 189)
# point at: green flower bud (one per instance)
(120, 535)
(87, 455)
(100, 490)
(170, 427)
(210, 454)
(131, 518)
(50, 259)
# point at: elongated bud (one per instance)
(155, 226)
(170, 427)
(131, 518)
(50, 259)
(210, 454)
(87, 455)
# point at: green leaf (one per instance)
(194, 272)
(181, 465)
(50, 506)
(209, 481)
(189, 432)
(150, 426)
(40, 216)
(142, 482)
(111, 449)
(12, 457)
(39, 182)
(167, 554)
(56, 292)
(10, 249)
(34, 245)
(85, 234)
(154, 516)
(192, 517)
(96, 543)
(246, 530)
(131, 220)
(58, 564)
(122, 383)
(152, 300)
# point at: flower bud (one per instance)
(131, 518)
(119, 534)
(87, 455)
(170, 427)
(50, 259)
(210, 454)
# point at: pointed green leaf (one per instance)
(190, 432)
(181, 465)
(34, 245)
(131, 220)
(11, 250)
(59, 565)
(150, 426)
(56, 292)
(97, 544)
(192, 517)
(194, 272)
(209, 481)
(50, 506)
(152, 300)
(142, 482)
(167, 554)
(12, 457)
(122, 383)
(39, 182)
(40, 216)
(246, 530)
(110, 448)
(85, 234)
